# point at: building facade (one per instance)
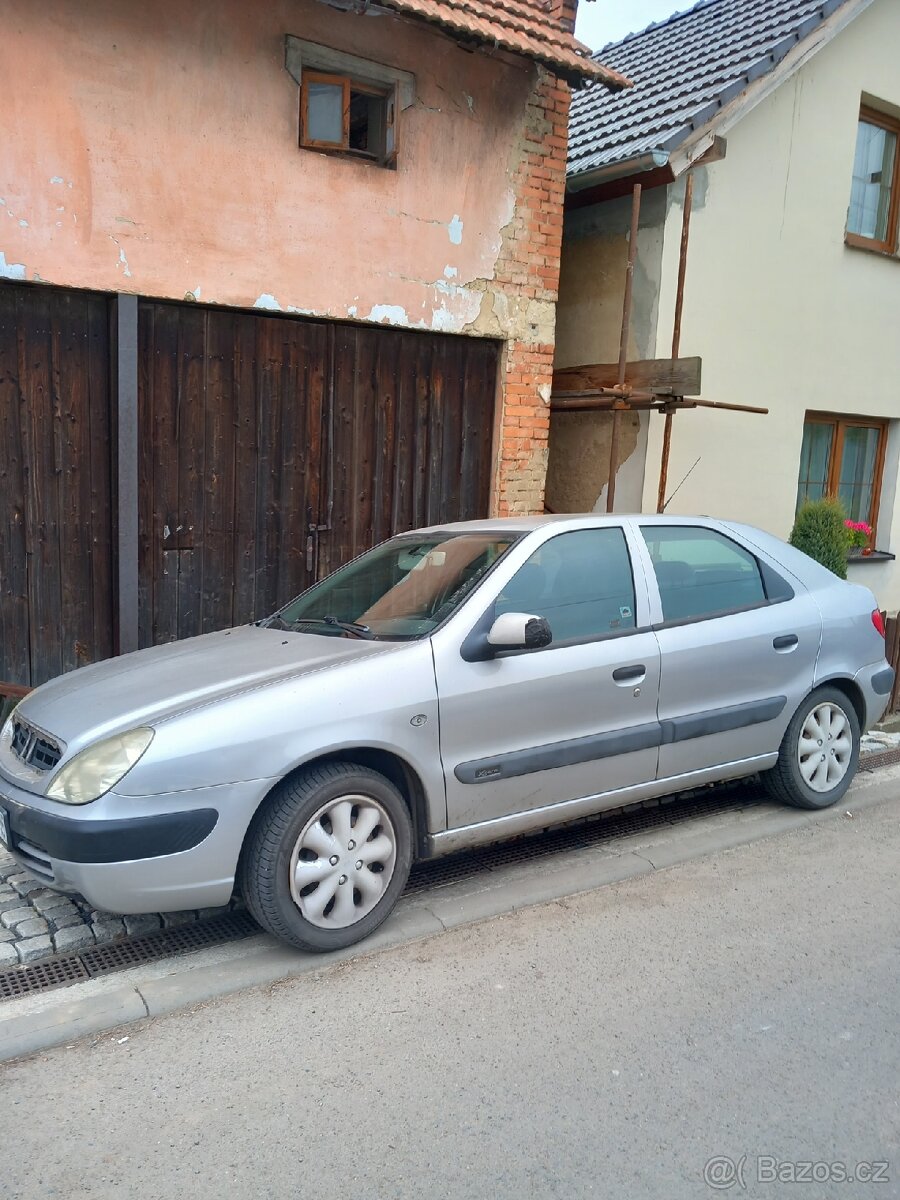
(793, 278)
(277, 281)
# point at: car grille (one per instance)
(32, 748)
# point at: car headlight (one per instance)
(100, 767)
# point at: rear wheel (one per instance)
(819, 753)
(328, 856)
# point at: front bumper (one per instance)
(157, 854)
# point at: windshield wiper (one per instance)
(352, 627)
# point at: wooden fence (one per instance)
(10, 695)
(892, 654)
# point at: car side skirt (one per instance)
(450, 840)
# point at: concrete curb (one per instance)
(39, 1022)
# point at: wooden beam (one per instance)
(747, 408)
(664, 376)
(599, 401)
(614, 188)
(676, 334)
(127, 457)
(15, 690)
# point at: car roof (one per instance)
(780, 553)
(529, 524)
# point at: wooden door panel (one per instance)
(231, 418)
(56, 609)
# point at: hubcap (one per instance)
(343, 862)
(825, 747)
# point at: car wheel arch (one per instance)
(850, 688)
(387, 763)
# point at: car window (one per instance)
(701, 572)
(581, 582)
(402, 589)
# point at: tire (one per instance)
(789, 780)
(304, 874)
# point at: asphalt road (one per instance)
(742, 1008)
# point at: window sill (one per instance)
(853, 242)
(350, 155)
(875, 557)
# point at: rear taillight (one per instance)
(878, 621)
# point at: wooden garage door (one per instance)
(56, 608)
(274, 449)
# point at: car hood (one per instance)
(152, 685)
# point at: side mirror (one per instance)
(519, 631)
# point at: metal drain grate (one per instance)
(880, 758)
(118, 956)
(52, 973)
(617, 823)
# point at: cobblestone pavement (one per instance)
(36, 922)
(876, 741)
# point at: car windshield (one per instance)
(399, 591)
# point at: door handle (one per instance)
(632, 674)
(787, 641)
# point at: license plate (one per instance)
(4, 828)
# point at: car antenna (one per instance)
(672, 496)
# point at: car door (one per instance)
(535, 728)
(738, 643)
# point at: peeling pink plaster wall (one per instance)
(153, 148)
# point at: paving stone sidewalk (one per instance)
(36, 922)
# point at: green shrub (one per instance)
(819, 531)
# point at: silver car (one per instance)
(454, 686)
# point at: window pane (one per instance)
(701, 572)
(360, 118)
(325, 118)
(581, 582)
(367, 119)
(857, 478)
(873, 170)
(814, 458)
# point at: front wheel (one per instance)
(328, 856)
(819, 753)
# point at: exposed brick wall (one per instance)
(529, 267)
(568, 10)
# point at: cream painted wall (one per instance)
(589, 323)
(782, 312)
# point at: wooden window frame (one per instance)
(387, 94)
(840, 422)
(871, 116)
(340, 81)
